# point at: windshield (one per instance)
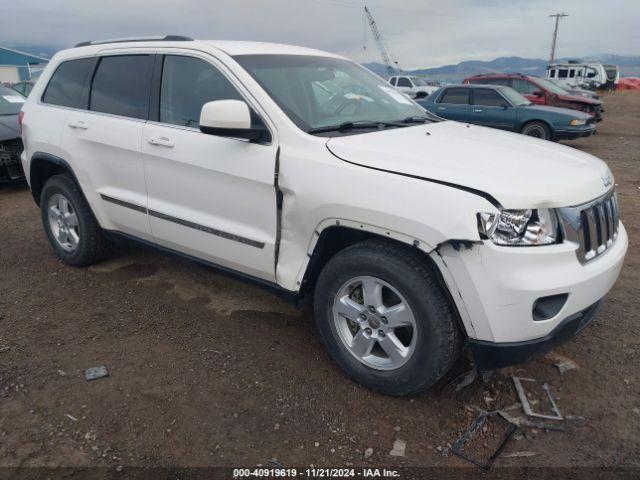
(318, 92)
(514, 97)
(10, 101)
(547, 85)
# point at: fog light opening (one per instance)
(545, 308)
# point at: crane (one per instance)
(392, 67)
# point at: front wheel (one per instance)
(385, 318)
(536, 129)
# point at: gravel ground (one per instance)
(207, 371)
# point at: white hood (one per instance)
(518, 171)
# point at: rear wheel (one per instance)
(536, 129)
(385, 318)
(71, 228)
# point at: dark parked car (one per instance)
(10, 142)
(24, 88)
(541, 92)
(504, 108)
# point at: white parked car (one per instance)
(303, 171)
(415, 87)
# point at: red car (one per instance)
(541, 92)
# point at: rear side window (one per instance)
(67, 85)
(187, 84)
(491, 81)
(456, 96)
(121, 86)
(488, 98)
(524, 87)
(404, 82)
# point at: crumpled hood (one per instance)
(578, 99)
(517, 171)
(9, 127)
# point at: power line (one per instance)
(431, 13)
(557, 16)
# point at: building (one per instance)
(16, 66)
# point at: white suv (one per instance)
(307, 173)
(413, 86)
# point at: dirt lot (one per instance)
(206, 370)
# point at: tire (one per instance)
(432, 344)
(536, 129)
(82, 242)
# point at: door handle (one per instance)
(161, 141)
(477, 110)
(79, 124)
(441, 108)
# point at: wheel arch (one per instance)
(44, 166)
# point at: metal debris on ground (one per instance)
(96, 372)
(563, 364)
(519, 454)
(399, 448)
(524, 400)
(458, 446)
(368, 452)
(524, 422)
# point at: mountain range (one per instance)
(629, 67)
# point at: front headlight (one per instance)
(519, 227)
(577, 121)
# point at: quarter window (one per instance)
(488, 98)
(67, 85)
(456, 96)
(121, 86)
(187, 84)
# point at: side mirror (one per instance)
(537, 93)
(229, 118)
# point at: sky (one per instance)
(418, 33)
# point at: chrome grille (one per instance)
(593, 226)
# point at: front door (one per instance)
(492, 109)
(209, 197)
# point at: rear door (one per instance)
(210, 197)
(492, 109)
(104, 142)
(454, 104)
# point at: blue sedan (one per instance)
(502, 107)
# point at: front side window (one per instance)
(121, 86)
(404, 82)
(67, 85)
(316, 92)
(455, 96)
(488, 98)
(187, 84)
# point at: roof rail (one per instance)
(166, 38)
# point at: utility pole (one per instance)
(555, 35)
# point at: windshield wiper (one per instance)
(416, 119)
(363, 125)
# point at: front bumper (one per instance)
(496, 288)
(571, 133)
(491, 356)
